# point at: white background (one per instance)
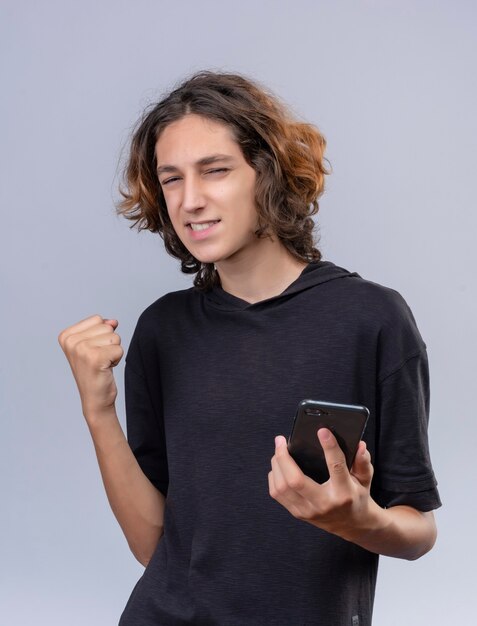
(391, 84)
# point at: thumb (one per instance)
(362, 468)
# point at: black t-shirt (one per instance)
(210, 379)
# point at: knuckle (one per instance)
(338, 467)
(68, 343)
(296, 482)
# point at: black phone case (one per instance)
(346, 421)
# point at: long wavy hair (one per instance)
(286, 154)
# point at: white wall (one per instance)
(392, 84)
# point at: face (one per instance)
(209, 189)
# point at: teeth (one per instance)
(202, 226)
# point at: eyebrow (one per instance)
(207, 160)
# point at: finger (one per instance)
(115, 354)
(285, 494)
(100, 351)
(80, 326)
(335, 458)
(362, 468)
(84, 325)
(107, 356)
(97, 330)
(102, 339)
(113, 323)
(291, 501)
(271, 485)
(296, 480)
(272, 488)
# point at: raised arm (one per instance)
(93, 349)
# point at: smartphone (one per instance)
(347, 423)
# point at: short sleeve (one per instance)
(403, 469)
(145, 428)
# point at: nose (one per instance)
(192, 194)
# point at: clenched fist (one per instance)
(93, 349)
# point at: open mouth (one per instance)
(202, 226)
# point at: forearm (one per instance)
(136, 503)
(400, 531)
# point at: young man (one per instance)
(229, 528)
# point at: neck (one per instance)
(264, 274)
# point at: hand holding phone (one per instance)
(347, 423)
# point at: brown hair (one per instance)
(286, 154)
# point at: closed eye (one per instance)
(220, 169)
(169, 180)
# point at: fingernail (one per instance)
(278, 441)
(325, 433)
